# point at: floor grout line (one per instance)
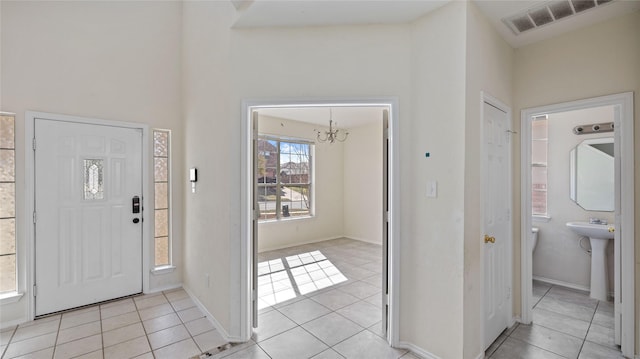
(582, 339)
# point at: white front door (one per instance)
(88, 241)
(496, 221)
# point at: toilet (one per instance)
(534, 238)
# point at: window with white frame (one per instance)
(284, 178)
(8, 263)
(162, 200)
(539, 153)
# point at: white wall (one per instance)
(599, 60)
(211, 120)
(558, 255)
(489, 68)
(109, 60)
(363, 183)
(1, 56)
(328, 220)
(432, 252)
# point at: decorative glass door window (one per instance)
(93, 179)
(7, 205)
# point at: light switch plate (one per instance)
(432, 189)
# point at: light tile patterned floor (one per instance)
(318, 301)
(566, 324)
(161, 325)
(321, 300)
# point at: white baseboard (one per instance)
(562, 283)
(361, 240)
(162, 289)
(13, 323)
(316, 241)
(298, 244)
(416, 350)
(213, 320)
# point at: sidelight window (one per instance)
(162, 200)
(7, 205)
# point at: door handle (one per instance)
(136, 220)
(135, 204)
(488, 239)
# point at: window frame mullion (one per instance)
(278, 184)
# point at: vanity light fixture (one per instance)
(593, 128)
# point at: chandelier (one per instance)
(332, 135)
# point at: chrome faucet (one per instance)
(594, 220)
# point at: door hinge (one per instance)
(385, 216)
(34, 217)
(386, 133)
(34, 143)
(254, 295)
(35, 290)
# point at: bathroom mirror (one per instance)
(592, 174)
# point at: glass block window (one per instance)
(539, 153)
(7, 205)
(162, 199)
(93, 179)
(284, 178)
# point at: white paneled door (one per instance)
(88, 236)
(496, 218)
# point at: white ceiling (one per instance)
(346, 117)
(277, 13)
(269, 13)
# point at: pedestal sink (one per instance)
(599, 236)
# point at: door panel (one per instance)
(496, 219)
(385, 221)
(87, 247)
(254, 220)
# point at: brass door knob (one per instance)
(612, 229)
(488, 239)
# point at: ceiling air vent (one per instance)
(541, 16)
(561, 9)
(582, 5)
(549, 13)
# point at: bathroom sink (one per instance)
(592, 230)
(599, 236)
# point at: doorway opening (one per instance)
(547, 168)
(292, 252)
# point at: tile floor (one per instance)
(317, 301)
(321, 300)
(566, 324)
(161, 325)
